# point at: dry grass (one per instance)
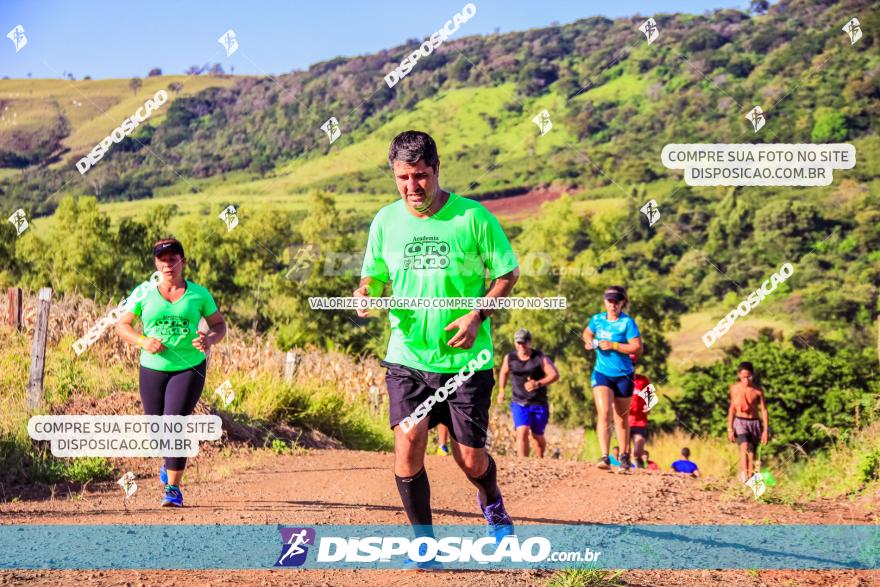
(714, 456)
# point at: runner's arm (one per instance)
(128, 334)
(501, 287)
(469, 324)
(502, 380)
(588, 338)
(765, 418)
(633, 345)
(369, 287)
(551, 374)
(731, 410)
(216, 330)
(126, 331)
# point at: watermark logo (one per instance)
(456, 303)
(650, 30)
(302, 258)
(651, 212)
(433, 42)
(18, 38)
(854, 29)
(19, 221)
(225, 393)
(128, 484)
(757, 485)
(448, 388)
(125, 436)
(331, 127)
(229, 42)
(761, 164)
(747, 305)
(757, 118)
(123, 130)
(295, 549)
(449, 549)
(230, 217)
(648, 394)
(542, 119)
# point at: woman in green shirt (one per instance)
(172, 363)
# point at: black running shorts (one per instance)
(465, 411)
(639, 431)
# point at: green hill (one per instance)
(87, 110)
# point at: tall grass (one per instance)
(849, 467)
(714, 456)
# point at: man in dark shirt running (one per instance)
(435, 244)
(531, 372)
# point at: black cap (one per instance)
(612, 295)
(168, 247)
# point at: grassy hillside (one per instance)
(90, 108)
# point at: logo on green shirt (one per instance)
(170, 329)
(426, 252)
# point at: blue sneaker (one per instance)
(163, 475)
(500, 524)
(173, 497)
(431, 565)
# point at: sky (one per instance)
(126, 38)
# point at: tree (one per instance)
(154, 72)
(333, 269)
(824, 386)
(135, 84)
(175, 87)
(830, 126)
(216, 70)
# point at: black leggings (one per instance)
(172, 393)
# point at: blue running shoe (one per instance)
(173, 497)
(500, 524)
(430, 565)
(163, 475)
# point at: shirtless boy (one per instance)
(744, 425)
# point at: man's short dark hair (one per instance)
(412, 145)
(686, 452)
(747, 366)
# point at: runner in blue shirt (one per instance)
(613, 335)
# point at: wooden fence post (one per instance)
(291, 364)
(14, 307)
(38, 351)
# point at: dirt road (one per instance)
(348, 487)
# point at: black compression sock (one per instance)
(415, 493)
(487, 483)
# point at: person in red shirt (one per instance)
(638, 417)
(647, 463)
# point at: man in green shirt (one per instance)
(436, 244)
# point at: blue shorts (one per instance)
(535, 417)
(621, 386)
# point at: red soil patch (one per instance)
(522, 206)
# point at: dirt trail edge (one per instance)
(351, 487)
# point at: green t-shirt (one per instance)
(175, 324)
(449, 254)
